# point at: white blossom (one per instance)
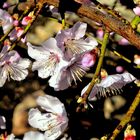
(54, 122)
(6, 20)
(109, 84)
(48, 57)
(13, 66)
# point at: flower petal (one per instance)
(37, 120)
(38, 53)
(51, 46)
(23, 63)
(33, 135)
(3, 76)
(78, 30)
(44, 69)
(51, 104)
(6, 19)
(16, 73)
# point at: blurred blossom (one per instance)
(74, 71)
(137, 59)
(35, 135)
(54, 122)
(48, 58)
(123, 41)
(129, 134)
(6, 20)
(27, 19)
(6, 5)
(71, 40)
(104, 73)
(17, 32)
(137, 10)
(110, 84)
(16, 22)
(100, 33)
(2, 122)
(119, 69)
(12, 65)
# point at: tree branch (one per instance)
(127, 117)
(108, 18)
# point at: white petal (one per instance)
(60, 81)
(17, 73)
(37, 53)
(61, 78)
(44, 70)
(51, 46)
(37, 120)
(51, 104)
(79, 30)
(128, 77)
(3, 76)
(33, 135)
(24, 63)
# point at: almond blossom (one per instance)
(109, 84)
(48, 57)
(54, 122)
(74, 71)
(13, 66)
(71, 40)
(6, 20)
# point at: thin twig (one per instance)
(127, 117)
(98, 68)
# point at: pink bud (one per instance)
(88, 60)
(19, 31)
(100, 33)
(137, 10)
(26, 20)
(119, 69)
(15, 22)
(123, 41)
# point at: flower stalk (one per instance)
(98, 69)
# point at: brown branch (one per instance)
(127, 117)
(108, 18)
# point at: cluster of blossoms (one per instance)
(65, 58)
